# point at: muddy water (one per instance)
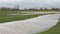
(30, 26)
(32, 13)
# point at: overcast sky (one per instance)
(30, 3)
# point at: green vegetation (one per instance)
(54, 30)
(16, 8)
(4, 17)
(7, 18)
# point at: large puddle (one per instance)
(33, 13)
(30, 26)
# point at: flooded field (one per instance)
(30, 26)
(33, 13)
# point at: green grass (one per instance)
(54, 30)
(7, 18)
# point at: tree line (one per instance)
(17, 9)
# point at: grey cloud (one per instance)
(33, 3)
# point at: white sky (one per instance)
(31, 3)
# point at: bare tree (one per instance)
(45, 9)
(41, 8)
(55, 9)
(5, 8)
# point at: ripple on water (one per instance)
(30, 26)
